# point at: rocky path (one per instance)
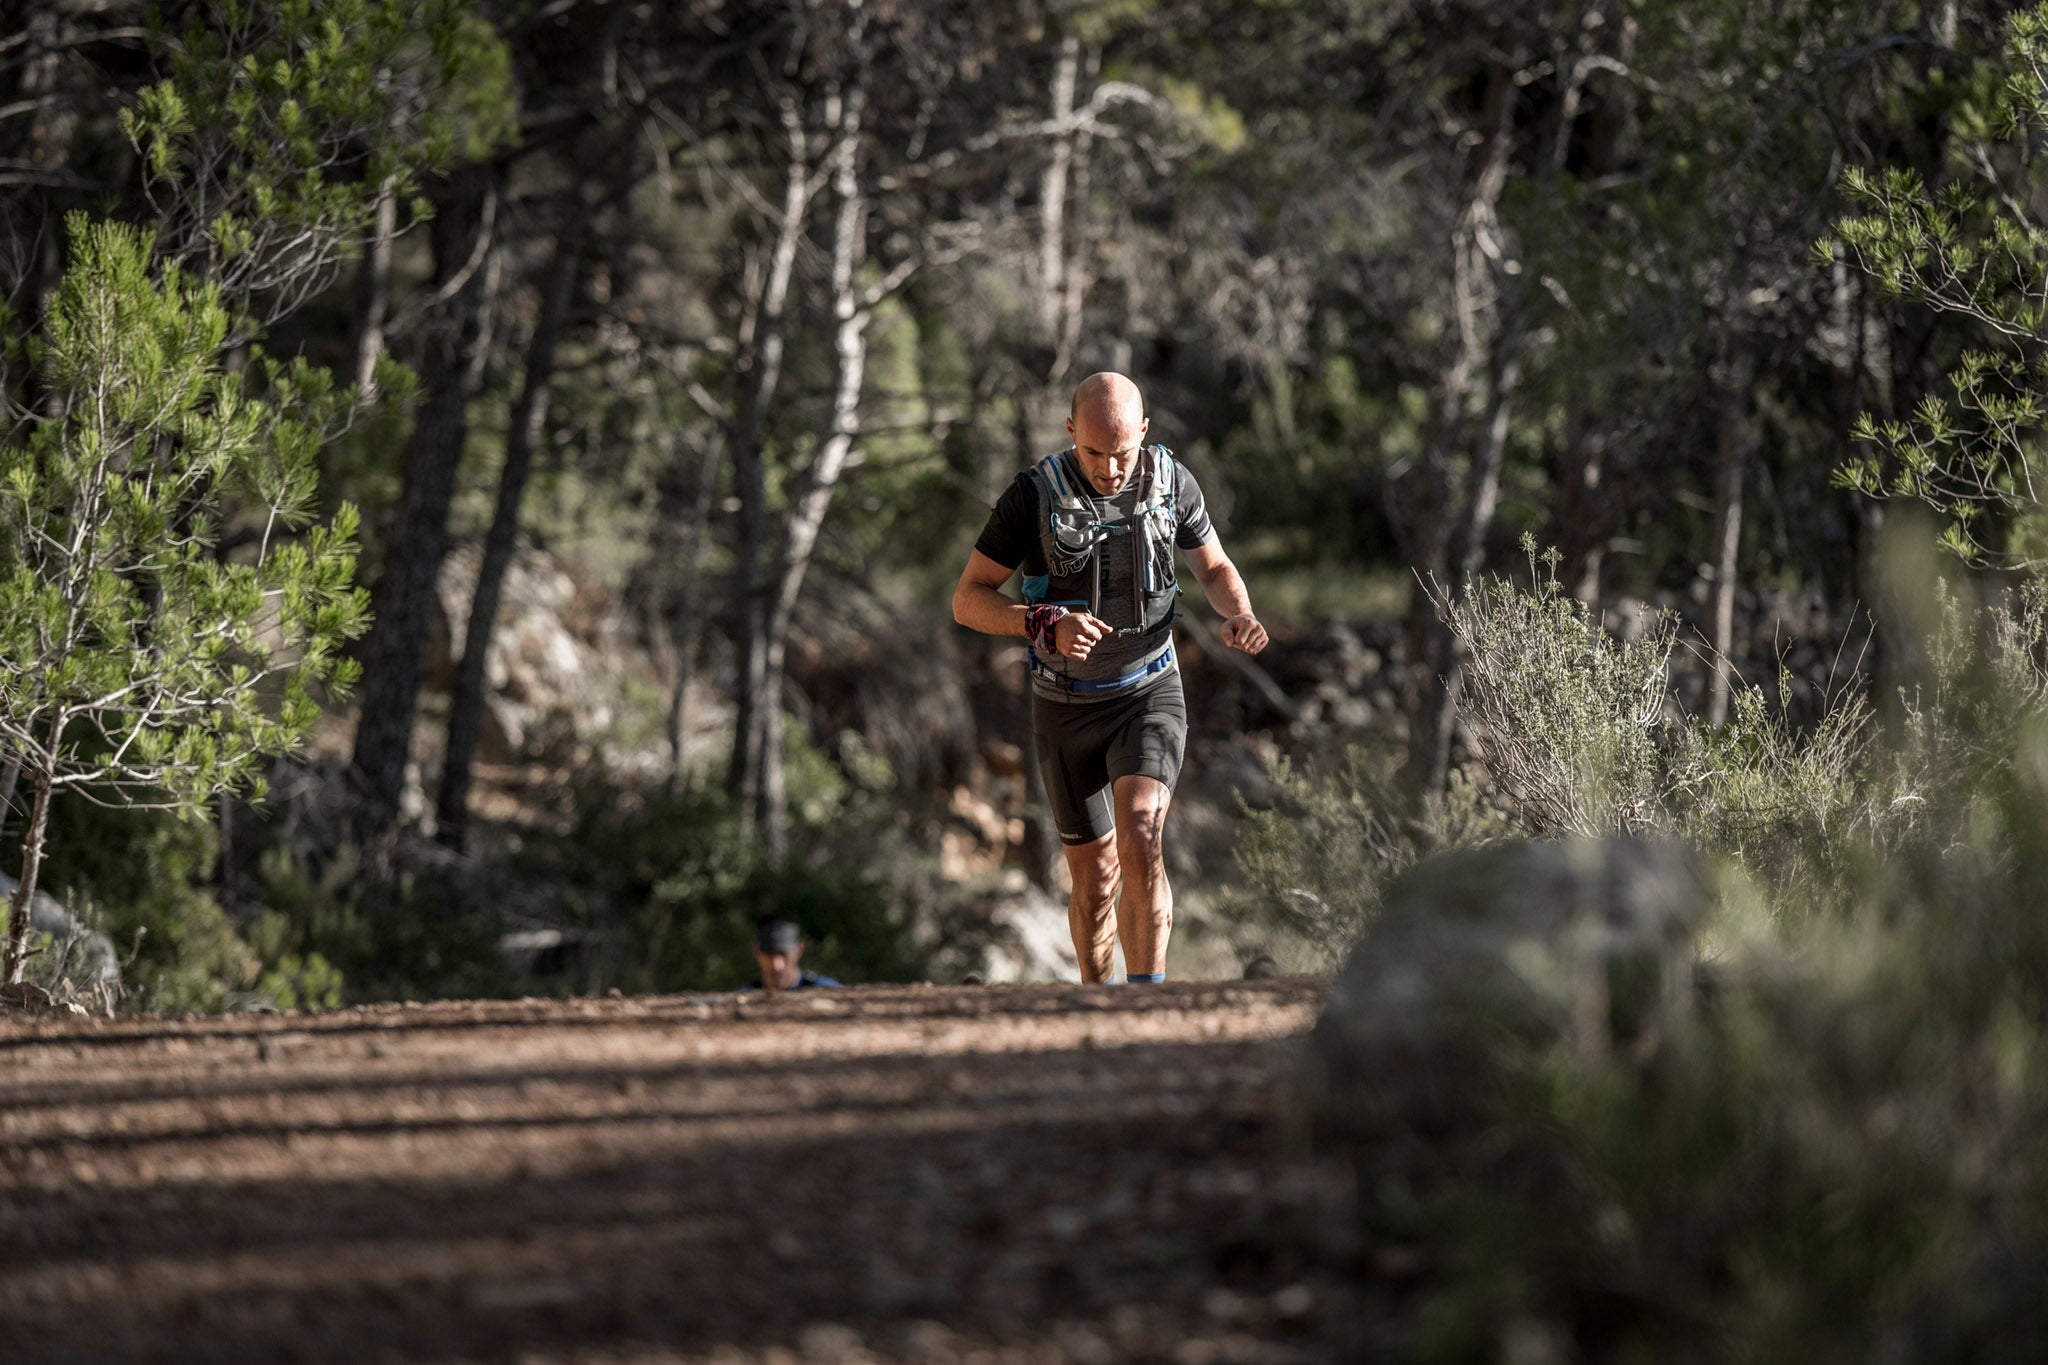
(919, 1174)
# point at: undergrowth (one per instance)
(1832, 1150)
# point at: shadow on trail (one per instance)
(1061, 1185)
(862, 1006)
(835, 1087)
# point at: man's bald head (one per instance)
(1109, 396)
(1107, 424)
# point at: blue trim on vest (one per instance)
(1056, 475)
(1035, 587)
(1067, 684)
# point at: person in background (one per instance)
(779, 948)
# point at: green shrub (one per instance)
(1580, 733)
(1833, 1152)
(301, 983)
(1569, 721)
(1319, 854)
(330, 934)
(1576, 731)
(144, 873)
(1793, 810)
(650, 888)
(1835, 1158)
(666, 886)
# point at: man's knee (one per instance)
(1093, 868)
(1141, 818)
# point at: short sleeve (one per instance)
(1012, 530)
(1192, 528)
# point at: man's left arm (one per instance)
(1224, 588)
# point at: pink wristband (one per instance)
(1039, 624)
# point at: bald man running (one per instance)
(1094, 529)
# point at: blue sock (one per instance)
(1145, 978)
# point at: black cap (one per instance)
(778, 936)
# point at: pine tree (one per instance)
(1976, 252)
(137, 665)
(169, 611)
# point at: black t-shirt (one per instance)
(1013, 539)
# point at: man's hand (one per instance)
(1077, 633)
(1244, 632)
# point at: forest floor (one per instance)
(1022, 1173)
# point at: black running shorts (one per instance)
(1083, 747)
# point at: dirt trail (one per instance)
(922, 1174)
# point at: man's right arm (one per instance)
(979, 602)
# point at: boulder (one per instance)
(1036, 944)
(553, 673)
(1013, 930)
(1478, 962)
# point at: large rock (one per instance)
(553, 672)
(1014, 930)
(1480, 962)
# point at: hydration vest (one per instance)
(1143, 538)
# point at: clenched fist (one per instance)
(1244, 632)
(1077, 633)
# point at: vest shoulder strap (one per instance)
(1054, 479)
(1164, 481)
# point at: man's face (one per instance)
(780, 971)
(1107, 441)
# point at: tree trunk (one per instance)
(16, 959)
(1730, 457)
(528, 421)
(47, 144)
(761, 364)
(1468, 539)
(1060, 281)
(1583, 514)
(684, 624)
(224, 857)
(1075, 271)
(814, 496)
(1052, 196)
(373, 293)
(404, 600)
(10, 774)
(1482, 484)
(1941, 23)
(1852, 310)
(1432, 521)
(1423, 689)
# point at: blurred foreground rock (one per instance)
(77, 953)
(1480, 961)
